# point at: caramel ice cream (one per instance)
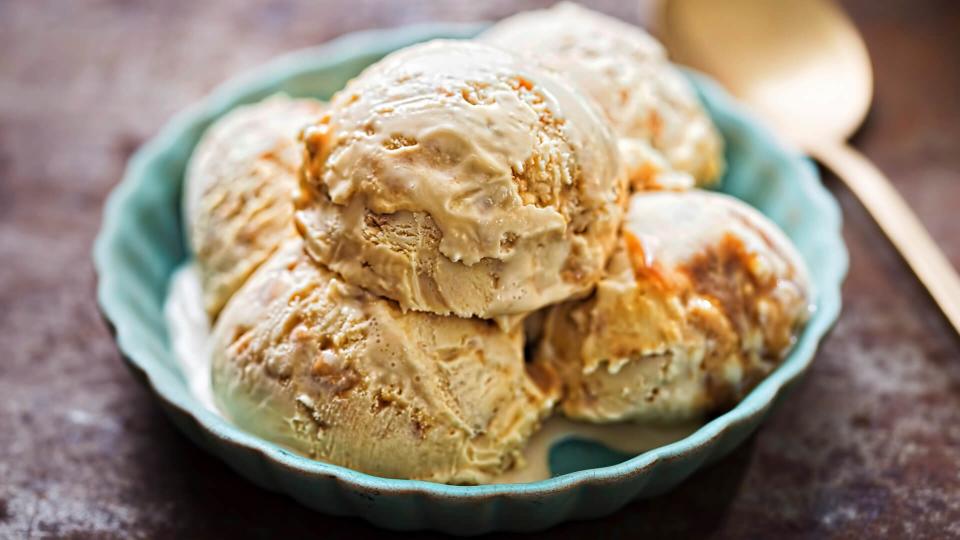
(304, 359)
(239, 189)
(663, 129)
(702, 299)
(454, 178)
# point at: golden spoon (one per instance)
(802, 65)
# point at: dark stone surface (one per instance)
(867, 446)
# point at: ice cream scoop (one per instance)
(702, 299)
(663, 129)
(239, 189)
(306, 360)
(455, 178)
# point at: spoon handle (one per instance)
(898, 222)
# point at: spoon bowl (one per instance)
(801, 64)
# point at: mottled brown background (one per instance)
(868, 445)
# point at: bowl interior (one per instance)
(141, 244)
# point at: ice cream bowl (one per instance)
(141, 244)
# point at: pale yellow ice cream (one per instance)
(239, 189)
(702, 299)
(329, 370)
(455, 178)
(663, 129)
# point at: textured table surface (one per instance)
(868, 445)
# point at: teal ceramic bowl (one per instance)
(140, 244)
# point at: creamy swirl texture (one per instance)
(702, 299)
(663, 129)
(239, 189)
(455, 178)
(306, 360)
